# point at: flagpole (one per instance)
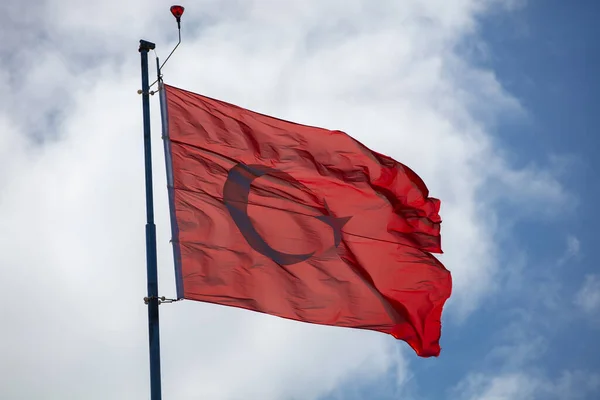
(152, 299)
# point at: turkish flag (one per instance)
(300, 222)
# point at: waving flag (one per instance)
(300, 222)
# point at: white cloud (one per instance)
(573, 245)
(572, 385)
(514, 369)
(73, 265)
(572, 251)
(588, 296)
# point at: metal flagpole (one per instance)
(151, 264)
(152, 299)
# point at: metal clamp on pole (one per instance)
(161, 300)
(140, 91)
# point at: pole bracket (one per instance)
(161, 300)
(151, 93)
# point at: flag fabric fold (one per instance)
(300, 222)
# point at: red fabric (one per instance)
(346, 232)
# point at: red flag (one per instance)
(300, 222)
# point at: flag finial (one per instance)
(177, 12)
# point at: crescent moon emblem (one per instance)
(235, 196)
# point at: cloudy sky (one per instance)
(491, 102)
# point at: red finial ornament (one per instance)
(177, 12)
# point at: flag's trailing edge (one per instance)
(171, 190)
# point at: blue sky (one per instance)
(492, 102)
